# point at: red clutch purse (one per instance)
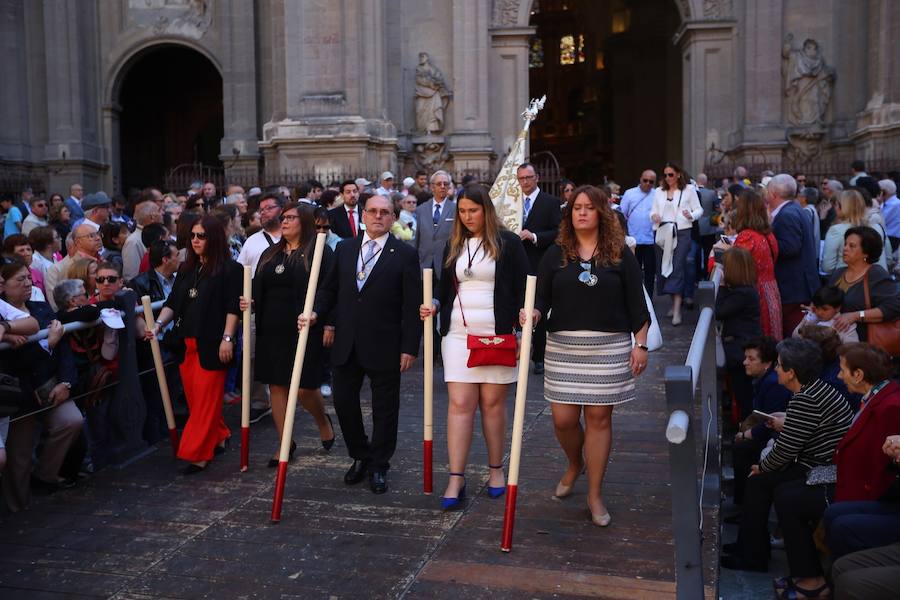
(489, 349)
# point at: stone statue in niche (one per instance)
(432, 96)
(808, 82)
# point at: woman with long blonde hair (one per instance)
(480, 292)
(851, 212)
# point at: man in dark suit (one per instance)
(540, 224)
(73, 202)
(346, 220)
(372, 293)
(796, 269)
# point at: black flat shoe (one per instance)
(356, 472)
(327, 444)
(378, 482)
(739, 564)
(273, 462)
(192, 469)
(219, 450)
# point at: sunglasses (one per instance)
(107, 279)
(323, 227)
(41, 205)
(648, 181)
(198, 235)
(670, 174)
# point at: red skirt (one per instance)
(205, 427)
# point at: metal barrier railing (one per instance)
(688, 495)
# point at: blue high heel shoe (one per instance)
(496, 492)
(454, 503)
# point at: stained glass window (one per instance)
(567, 50)
(536, 53)
(581, 48)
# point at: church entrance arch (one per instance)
(170, 102)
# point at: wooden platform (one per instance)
(148, 532)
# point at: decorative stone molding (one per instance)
(429, 152)
(187, 18)
(506, 13)
(714, 9)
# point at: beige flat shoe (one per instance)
(601, 520)
(563, 490)
(676, 319)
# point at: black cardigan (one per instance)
(509, 285)
(219, 298)
(738, 309)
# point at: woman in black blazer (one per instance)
(480, 293)
(204, 304)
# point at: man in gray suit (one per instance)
(435, 223)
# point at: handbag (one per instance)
(11, 396)
(881, 335)
(654, 335)
(490, 349)
(42, 392)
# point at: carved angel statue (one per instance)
(808, 82)
(432, 96)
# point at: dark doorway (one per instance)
(171, 101)
(613, 82)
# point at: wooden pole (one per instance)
(295, 380)
(428, 438)
(161, 376)
(246, 384)
(515, 451)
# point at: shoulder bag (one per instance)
(490, 349)
(881, 335)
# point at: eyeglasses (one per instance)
(441, 183)
(198, 235)
(268, 208)
(669, 174)
(107, 279)
(284, 218)
(379, 212)
(526, 177)
(41, 205)
(648, 181)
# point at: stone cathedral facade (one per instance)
(370, 85)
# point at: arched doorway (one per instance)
(171, 113)
(613, 80)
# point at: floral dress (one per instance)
(764, 249)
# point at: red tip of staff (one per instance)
(427, 482)
(509, 517)
(245, 448)
(279, 491)
(173, 439)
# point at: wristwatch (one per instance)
(67, 384)
(227, 338)
(862, 316)
(643, 347)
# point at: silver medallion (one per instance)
(361, 275)
(468, 272)
(193, 292)
(279, 269)
(589, 279)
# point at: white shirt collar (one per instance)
(381, 240)
(534, 194)
(441, 202)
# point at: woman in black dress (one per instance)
(279, 290)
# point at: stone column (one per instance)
(239, 150)
(470, 141)
(709, 88)
(508, 72)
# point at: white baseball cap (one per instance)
(112, 318)
(362, 182)
(408, 182)
(387, 175)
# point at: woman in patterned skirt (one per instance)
(593, 285)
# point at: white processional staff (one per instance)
(515, 450)
(296, 372)
(161, 376)
(428, 437)
(245, 374)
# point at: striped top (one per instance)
(817, 418)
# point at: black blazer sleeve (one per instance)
(515, 271)
(546, 270)
(411, 329)
(329, 279)
(550, 223)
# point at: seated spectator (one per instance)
(113, 234)
(46, 373)
(737, 307)
(817, 417)
(862, 477)
(769, 397)
(862, 247)
(85, 269)
(829, 342)
(45, 243)
(826, 305)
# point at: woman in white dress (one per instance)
(482, 287)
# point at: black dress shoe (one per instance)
(219, 450)
(327, 444)
(356, 472)
(539, 368)
(739, 564)
(193, 469)
(378, 482)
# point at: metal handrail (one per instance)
(76, 326)
(705, 322)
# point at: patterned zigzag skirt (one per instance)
(588, 367)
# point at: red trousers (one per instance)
(205, 427)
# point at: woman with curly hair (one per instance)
(592, 283)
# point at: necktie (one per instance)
(436, 217)
(527, 209)
(367, 263)
(351, 215)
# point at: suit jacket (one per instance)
(147, 284)
(796, 269)
(75, 211)
(543, 221)
(509, 287)
(381, 320)
(430, 240)
(862, 468)
(340, 224)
